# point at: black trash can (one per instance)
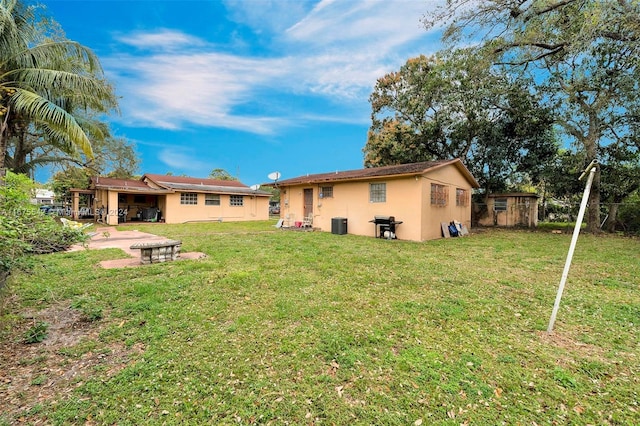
(339, 225)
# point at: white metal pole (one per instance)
(576, 231)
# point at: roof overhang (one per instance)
(132, 189)
(373, 174)
(81, 191)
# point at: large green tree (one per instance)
(221, 174)
(583, 56)
(47, 83)
(455, 104)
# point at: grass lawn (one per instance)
(278, 327)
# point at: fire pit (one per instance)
(385, 226)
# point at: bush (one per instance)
(24, 229)
(629, 214)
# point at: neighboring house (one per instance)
(420, 195)
(173, 199)
(512, 209)
(43, 196)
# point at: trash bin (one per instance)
(339, 225)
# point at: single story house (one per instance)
(510, 209)
(420, 195)
(172, 199)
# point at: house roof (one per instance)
(125, 185)
(380, 172)
(218, 186)
(168, 180)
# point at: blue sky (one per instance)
(250, 86)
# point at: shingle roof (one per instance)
(170, 180)
(514, 194)
(111, 183)
(375, 172)
(186, 183)
(171, 184)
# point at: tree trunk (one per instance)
(21, 151)
(3, 145)
(610, 224)
(590, 143)
(593, 208)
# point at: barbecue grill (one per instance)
(385, 226)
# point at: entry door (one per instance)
(308, 202)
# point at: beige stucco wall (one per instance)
(407, 198)
(254, 208)
(433, 216)
(112, 208)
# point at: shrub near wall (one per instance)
(24, 229)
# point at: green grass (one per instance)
(315, 328)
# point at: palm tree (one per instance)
(44, 81)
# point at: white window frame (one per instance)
(211, 199)
(500, 204)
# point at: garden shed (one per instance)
(511, 209)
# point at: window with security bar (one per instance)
(439, 195)
(462, 197)
(377, 192)
(326, 192)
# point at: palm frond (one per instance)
(84, 89)
(58, 121)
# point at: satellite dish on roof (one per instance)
(255, 187)
(274, 175)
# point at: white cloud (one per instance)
(335, 50)
(164, 39)
(375, 25)
(168, 90)
(272, 16)
(178, 161)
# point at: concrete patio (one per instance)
(110, 237)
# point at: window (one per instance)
(439, 195)
(236, 200)
(190, 198)
(500, 205)
(326, 192)
(211, 199)
(377, 192)
(462, 197)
